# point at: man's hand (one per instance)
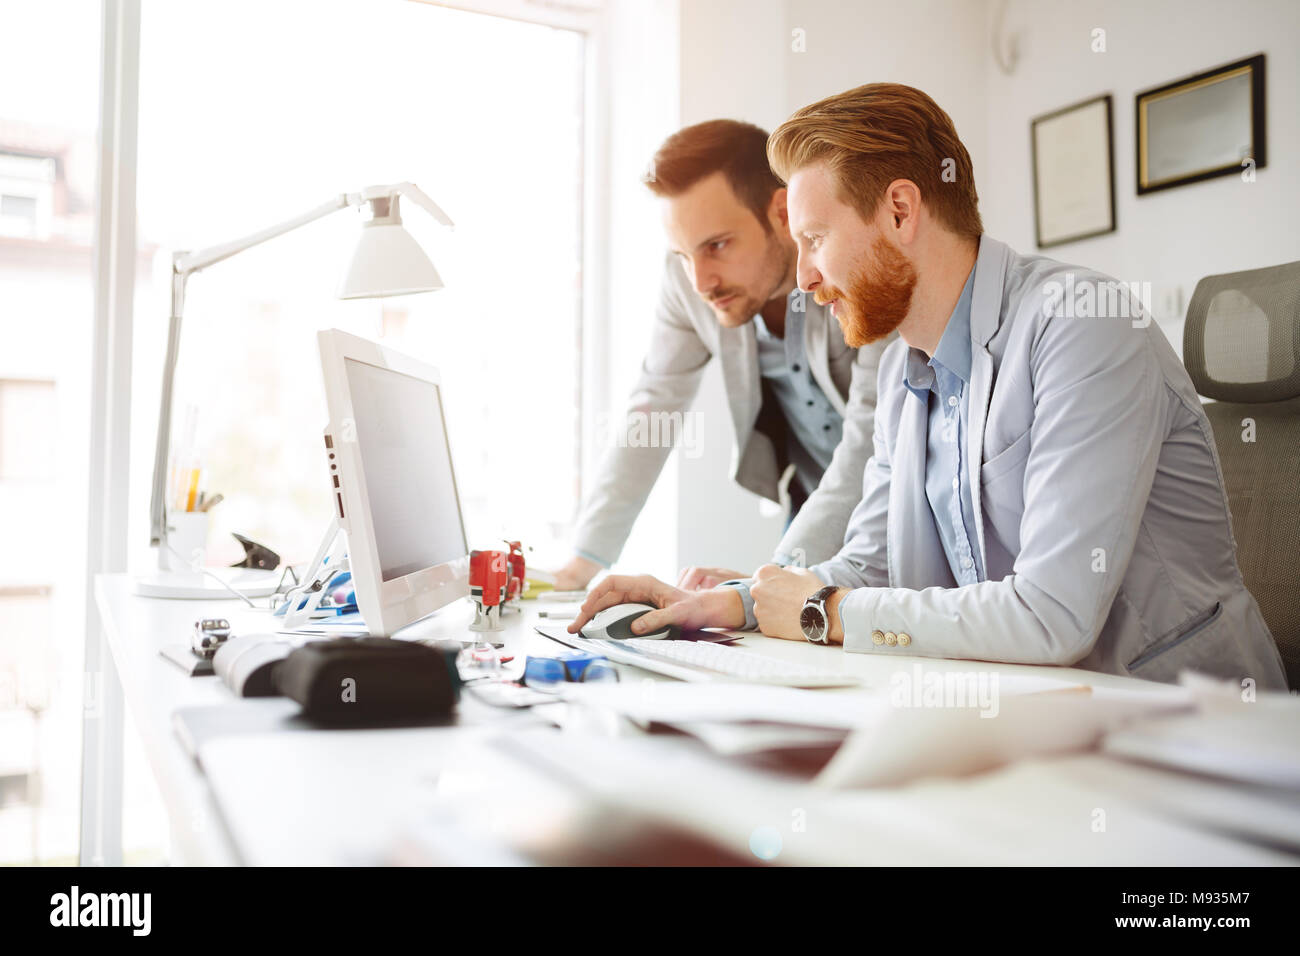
(576, 575)
(721, 608)
(700, 579)
(778, 595)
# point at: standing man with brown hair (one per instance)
(798, 393)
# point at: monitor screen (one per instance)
(414, 505)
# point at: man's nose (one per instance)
(705, 280)
(806, 275)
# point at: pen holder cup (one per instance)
(187, 538)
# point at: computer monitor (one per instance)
(392, 481)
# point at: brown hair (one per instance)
(874, 134)
(738, 150)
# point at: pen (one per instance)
(194, 489)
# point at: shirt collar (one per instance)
(793, 320)
(953, 352)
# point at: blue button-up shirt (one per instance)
(942, 383)
(815, 427)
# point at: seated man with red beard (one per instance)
(1044, 487)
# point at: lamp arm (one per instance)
(421, 198)
(185, 264)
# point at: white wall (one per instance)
(1173, 237)
(643, 95)
(733, 62)
(935, 45)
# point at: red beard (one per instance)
(880, 293)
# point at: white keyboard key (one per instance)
(732, 663)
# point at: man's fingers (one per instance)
(621, 589)
(593, 606)
(597, 600)
(692, 579)
(658, 620)
(591, 609)
(701, 579)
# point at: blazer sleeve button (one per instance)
(904, 640)
(891, 638)
(877, 637)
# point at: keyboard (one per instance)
(699, 661)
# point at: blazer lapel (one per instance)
(738, 353)
(817, 351)
(916, 556)
(985, 318)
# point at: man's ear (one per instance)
(902, 207)
(777, 213)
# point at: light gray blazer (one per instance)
(686, 336)
(1098, 498)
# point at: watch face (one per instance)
(812, 622)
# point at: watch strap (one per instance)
(746, 600)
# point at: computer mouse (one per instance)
(615, 623)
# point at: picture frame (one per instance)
(1201, 127)
(1073, 156)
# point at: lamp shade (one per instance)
(388, 261)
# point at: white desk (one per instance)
(927, 822)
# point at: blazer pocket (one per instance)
(1006, 460)
(1167, 642)
(1002, 490)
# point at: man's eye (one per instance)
(717, 246)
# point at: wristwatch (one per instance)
(814, 620)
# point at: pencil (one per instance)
(194, 489)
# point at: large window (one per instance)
(48, 103)
(251, 113)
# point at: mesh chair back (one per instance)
(1241, 345)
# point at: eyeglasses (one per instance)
(548, 673)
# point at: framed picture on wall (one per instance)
(1074, 172)
(1201, 127)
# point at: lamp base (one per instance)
(197, 586)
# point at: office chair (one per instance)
(1241, 346)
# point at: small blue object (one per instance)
(570, 666)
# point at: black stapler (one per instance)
(256, 555)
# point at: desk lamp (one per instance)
(387, 261)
